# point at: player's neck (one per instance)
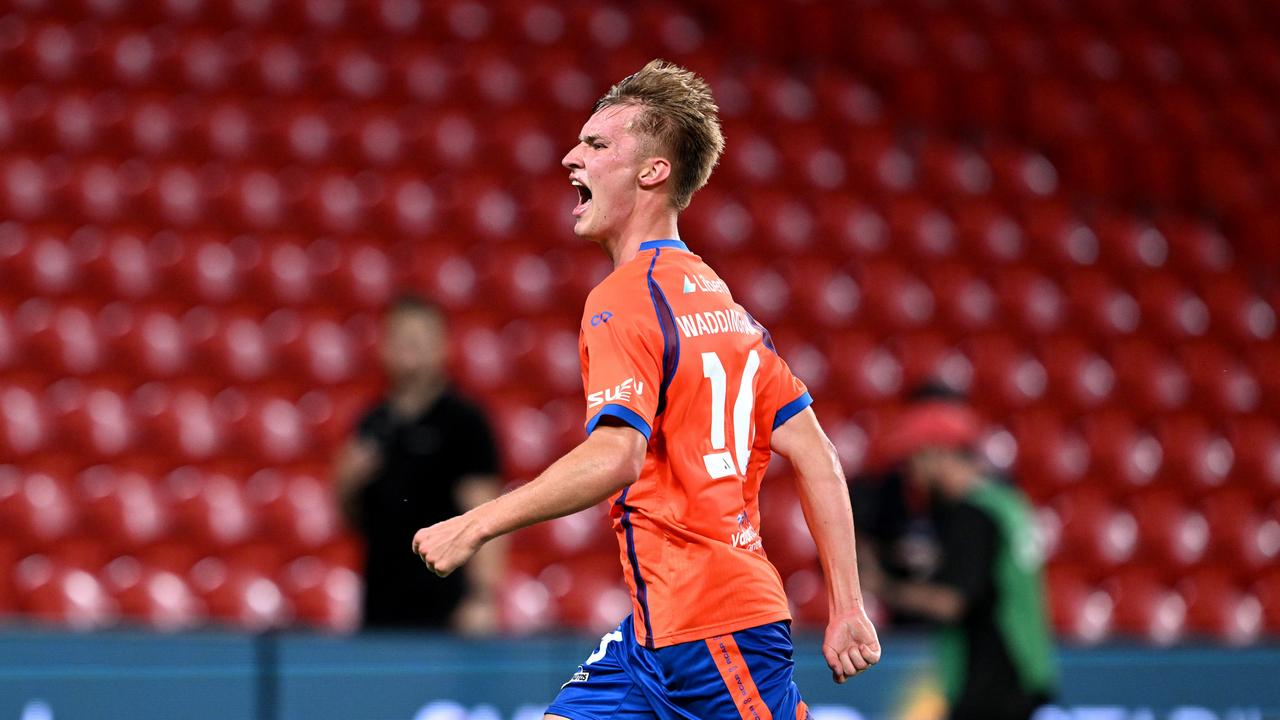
(624, 247)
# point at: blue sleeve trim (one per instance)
(625, 414)
(791, 409)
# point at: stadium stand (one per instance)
(1063, 208)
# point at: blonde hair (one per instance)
(681, 118)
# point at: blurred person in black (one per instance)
(987, 591)
(421, 455)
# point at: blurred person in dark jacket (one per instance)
(996, 658)
(421, 455)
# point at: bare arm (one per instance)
(606, 462)
(935, 601)
(352, 470)
(478, 612)
(850, 645)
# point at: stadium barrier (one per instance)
(54, 675)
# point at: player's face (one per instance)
(604, 167)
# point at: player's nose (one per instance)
(572, 160)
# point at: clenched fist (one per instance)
(445, 546)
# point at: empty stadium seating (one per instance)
(1063, 208)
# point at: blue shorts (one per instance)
(746, 675)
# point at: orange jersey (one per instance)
(666, 349)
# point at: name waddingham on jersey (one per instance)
(715, 322)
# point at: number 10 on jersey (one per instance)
(720, 463)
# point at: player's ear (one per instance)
(653, 172)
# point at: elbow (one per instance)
(627, 470)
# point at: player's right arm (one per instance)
(850, 644)
(609, 460)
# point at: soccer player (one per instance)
(686, 400)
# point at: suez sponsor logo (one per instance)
(621, 392)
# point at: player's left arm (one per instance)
(850, 644)
(609, 460)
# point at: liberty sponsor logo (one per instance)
(715, 322)
(701, 283)
(601, 318)
(622, 392)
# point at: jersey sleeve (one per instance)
(793, 396)
(623, 352)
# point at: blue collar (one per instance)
(653, 244)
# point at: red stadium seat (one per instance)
(240, 594)
(1267, 590)
(1079, 378)
(1052, 455)
(1149, 380)
(180, 422)
(1256, 444)
(990, 234)
(147, 342)
(526, 604)
(235, 346)
(827, 296)
(38, 509)
(63, 338)
(868, 374)
(588, 592)
(158, 597)
(896, 298)
(1147, 608)
(267, 427)
(1220, 609)
(203, 268)
(1099, 307)
(1080, 610)
(966, 302)
(1033, 302)
(358, 272)
(1196, 457)
(1171, 533)
(118, 264)
(314, 347)
(26, 424)
(338, 202)
(1005, 377)
(43, 262)
(1095, 529)
(1245, 536)
(226, 130)
(177, 195)
(1125, 455)
(94, 421)
(1175, 311)
(297, 510)
(1238, 312)
(125, 509)
(327, 596)
(53, 591)
(211, 508)
(1223, 384)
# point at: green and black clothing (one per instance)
(997, 661)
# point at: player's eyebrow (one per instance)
(590, 139)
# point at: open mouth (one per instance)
(584, 197)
